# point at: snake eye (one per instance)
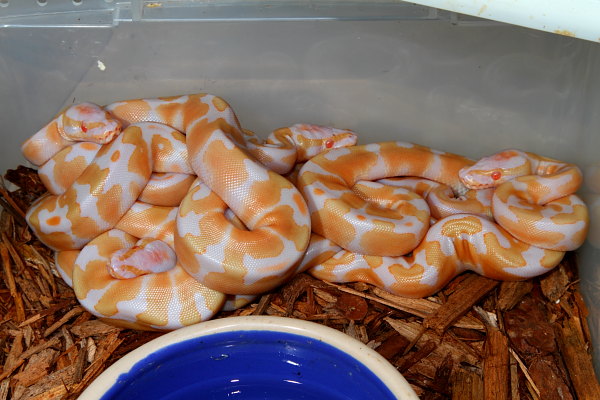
(84, 128)
(496, 175)
(329, 144)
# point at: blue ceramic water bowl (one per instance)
(252, 358)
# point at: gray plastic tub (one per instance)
(389, 70)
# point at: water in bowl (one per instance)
(249, 365)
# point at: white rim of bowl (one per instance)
(380, 367)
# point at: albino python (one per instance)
(95, 204)
(363, 238)
(262, 253)
(218, 223)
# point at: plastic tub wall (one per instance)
(469, 89)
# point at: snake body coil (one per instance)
(163, 211)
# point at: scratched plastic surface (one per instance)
(249, 365)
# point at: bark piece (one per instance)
(472, 289)
(296, 287)
(424, 308)
(461, 352)
(10, 204)
(52, 387)
(555, 284)
(467, 385)
(28, 353)
(105, 349)
(407, 361)
(26, 178)
(496, 368)
(72, 313)
(263, 304)
(548, 379)
(37, 367)
(393, 345)
(528, 385)
(511, 293)
(11, 283)
(44, 313)
(529, 330)
(93, 328)
(577, 358)
(4, 388)
(353, 307)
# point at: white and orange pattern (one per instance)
(236, 226)
(533, 198)
(163, 211)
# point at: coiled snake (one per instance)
(161, 208)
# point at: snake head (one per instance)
(314, 139)
(87, 122)
(496, 169)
